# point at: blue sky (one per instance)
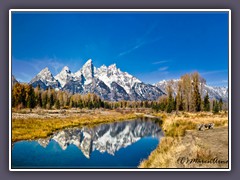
(151, 46)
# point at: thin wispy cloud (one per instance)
(52, 63)
(141, 41)
(213, 72)
(55, 65)
(163, 68)
(138, 45)
(20, 80)
(23, 77)
(131, 49)
(160, 62)
(26, 63)
(30, 67)
(26, 76)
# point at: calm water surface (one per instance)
(116, 145)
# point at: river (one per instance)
(114, 145)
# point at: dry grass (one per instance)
(176, 124)
(32, 126)
(182, 140)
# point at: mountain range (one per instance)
(110, 83)
(213, 92)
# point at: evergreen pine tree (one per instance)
(30, 96)
(196, 98)
(220, 104)
(51, 99)
(206, 103)
(215, 107)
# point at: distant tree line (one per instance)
(25, 96)
(188, 98)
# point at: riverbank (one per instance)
(181, 141)
(29, 125)
(185, 147)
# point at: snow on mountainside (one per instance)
(113, 74)
(45, 79)
(87, 72)
(163, 85)
(216, 92)
(110, 83)
(145, 91)
(64, 76)
(213, 92)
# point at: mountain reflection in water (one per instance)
(106, 137)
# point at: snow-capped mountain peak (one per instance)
(66, 69)
(102, 69)
(112, 74)
(45, 71)
(112, 67)
(87, 71)
(45, 79)
(89, 62)
(64, 76)
(110, 83)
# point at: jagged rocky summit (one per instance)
(110, 83)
